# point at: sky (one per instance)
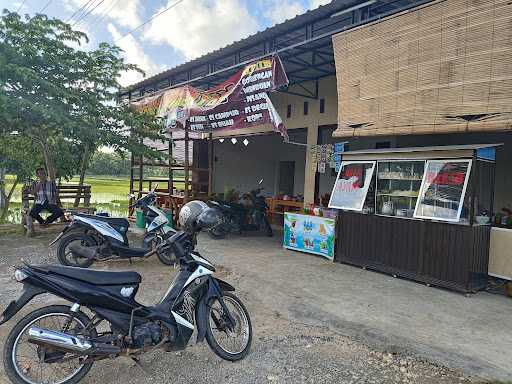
(186, 31)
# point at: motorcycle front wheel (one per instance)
(217, 233)
(229, 343)
(67, 257)
(27, 363)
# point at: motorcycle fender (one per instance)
(148, 239)
(29, 292)
(215, 288)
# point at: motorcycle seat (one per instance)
(93, 277)
(114, 221)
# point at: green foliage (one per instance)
(113, 164)
(19, 156)
(63, 98)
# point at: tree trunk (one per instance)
(7, 199)
(2, 188)
(83, 167)
(48, 159)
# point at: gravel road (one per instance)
(283, 351)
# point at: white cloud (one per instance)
(317, 3)
(134, 54)
(124, 12)
(278, 11)
(200, 26)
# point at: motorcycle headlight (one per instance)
(19, 275)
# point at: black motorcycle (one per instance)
(60, 343)
(243, 217)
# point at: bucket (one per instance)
(139, 219)
(170, 223)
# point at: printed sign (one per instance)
(443, 189)
(312, 234)
(241, 101)
(352, 184)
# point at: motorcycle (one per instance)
(60, 343)
(240, 217)
(90, 238)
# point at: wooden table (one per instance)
(278, 207)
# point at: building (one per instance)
(375, 74)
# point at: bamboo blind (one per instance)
(444, 67)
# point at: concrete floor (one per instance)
(469, 333)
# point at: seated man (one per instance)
(46, 198)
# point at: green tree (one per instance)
(56, 94)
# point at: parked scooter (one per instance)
(90, 238)
(58, 344)
(243, 217)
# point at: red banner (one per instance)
(241, 101)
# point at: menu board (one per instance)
(443, 189)
(351, 187)
(312, 234)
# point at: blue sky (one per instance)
(188, 30)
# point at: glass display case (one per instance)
(398, 186)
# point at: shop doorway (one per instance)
(286, 177)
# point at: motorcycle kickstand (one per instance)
(137, 362)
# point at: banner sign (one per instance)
(241, 101)
(312, 234)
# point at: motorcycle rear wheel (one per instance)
(19, 368)
(66, 257)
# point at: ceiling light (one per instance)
(246, 142)
(221, 140)
(233, 140)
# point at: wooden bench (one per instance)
(67, 192)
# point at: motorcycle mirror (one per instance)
(261, 181)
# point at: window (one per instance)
(443, 189)
(322, 105)
(288, 111)
(306, 108)
(398, 186)
(352, 184)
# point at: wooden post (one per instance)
(141, 175)
(171, 176)
(210, 164)
(186, 164)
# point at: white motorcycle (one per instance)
(90, 238)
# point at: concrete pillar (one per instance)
(310, 174)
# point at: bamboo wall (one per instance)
(444, 67)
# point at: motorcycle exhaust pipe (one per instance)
(69, 343)
(58, 340)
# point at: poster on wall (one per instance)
(352, 184)
(443, 189)
(311, 234)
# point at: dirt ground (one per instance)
(284, 350)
